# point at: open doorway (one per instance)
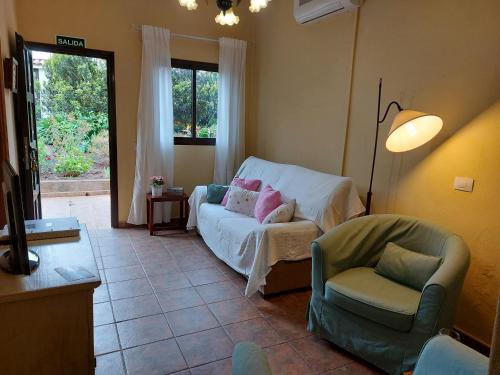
(73, 124)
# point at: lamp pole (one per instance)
(379, 121)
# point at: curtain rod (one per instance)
(182, 36)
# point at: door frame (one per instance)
(109, 56)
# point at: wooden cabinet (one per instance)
(46, 322)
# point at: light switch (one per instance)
(464, 184)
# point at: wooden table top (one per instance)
(44, 280)
(167, 197)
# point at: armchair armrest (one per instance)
(443, 355)
(355, 243)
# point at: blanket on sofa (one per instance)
(251, 248)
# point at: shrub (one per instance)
(73, 163)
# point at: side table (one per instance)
(167, 197)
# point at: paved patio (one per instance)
(92, 210)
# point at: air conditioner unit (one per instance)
(309, 11)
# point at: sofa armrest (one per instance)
(249, 359)
(444, 355)
(196, 199)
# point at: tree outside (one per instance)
(72, 117)
(206, 103)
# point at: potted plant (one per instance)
(157, 183)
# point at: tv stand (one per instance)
(47, 321)
(6, 264)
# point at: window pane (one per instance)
(206, 104)
(183, 101)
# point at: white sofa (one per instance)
(251, 248)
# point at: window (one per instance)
(195, 102)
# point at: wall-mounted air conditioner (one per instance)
(308, 11)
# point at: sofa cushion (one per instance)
(363, 292)
(268, 200)
(242, 201)
(406, 266)
(215, 193)
(244, 183)
(281, 214)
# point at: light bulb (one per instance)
(189, 4)
(227, 19)
(257, 5)
(411, 129)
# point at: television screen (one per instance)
(18, 259)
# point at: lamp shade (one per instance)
(411, 129)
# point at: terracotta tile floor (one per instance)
(94, 210)
(167, 305)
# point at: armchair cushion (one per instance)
(365, 293)
(406, 266)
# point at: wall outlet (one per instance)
(464, 184)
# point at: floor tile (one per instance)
(129, 288)
(289, 327)
(115, 261)
(102, 275)
(118, 249)
(113, 241)
(286, 304)
(222, 367)
(233, 311)
(195, 262)
(148, 245)
(218, 292)
(204, 347)
(136, 307)
(284, 361)
(101, 293)
(205, 276)
(255, 330)
(114, 275)
(142, 331)
(159, 358)
(191, 320)
(161, 268)
(320, 355)
(105, 339)
(177, 299)
(98, 261)
(355, 368)
(154, 257)
(110, 364)
(103, 314)
(168, 281)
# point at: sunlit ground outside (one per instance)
(93, 211)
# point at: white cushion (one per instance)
(242, 201)
(281, 214)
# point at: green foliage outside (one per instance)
(206, 103)
(72, 122)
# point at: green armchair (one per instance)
(373, 317)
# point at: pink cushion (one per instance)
(268, 200)
(247, 184)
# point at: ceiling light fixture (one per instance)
(189, 4)
(227, 15)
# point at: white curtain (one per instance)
(230, 143)
(155, 131)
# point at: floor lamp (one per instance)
(409, 130)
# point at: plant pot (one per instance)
(156, 191)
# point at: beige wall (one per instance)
(434, 56)
(8, 26)
(440, 57)
(107, 25)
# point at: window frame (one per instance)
(194, 66)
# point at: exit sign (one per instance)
(70, 41)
